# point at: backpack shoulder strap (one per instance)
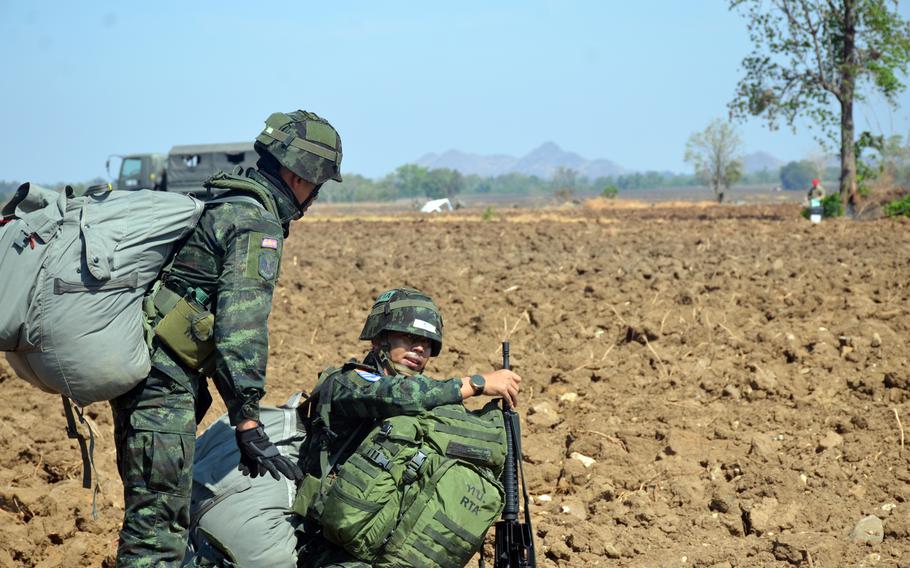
(232, 182)
(236, 199)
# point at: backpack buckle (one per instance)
(413, 467)
(384, 431)
(376, 456)
(328, 437)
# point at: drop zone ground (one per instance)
(705, 386)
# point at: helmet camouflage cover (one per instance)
(406, 310)
(304, 143)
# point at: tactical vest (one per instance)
(418, 490)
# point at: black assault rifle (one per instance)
(514, 539)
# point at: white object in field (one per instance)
(436, 206)
(815, 210)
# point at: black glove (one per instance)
(259, 455)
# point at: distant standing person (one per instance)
(211, 310)
(815, 196)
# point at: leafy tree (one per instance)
(798, 175)
(410, 180)
(443, 183)
(808, 52)
(610, 192)
(714, 154)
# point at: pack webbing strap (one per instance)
(88, 452)
(297, 142)
(323, 405)
(165, 299)
(236, 199)
(73, 434)
(467, 432)
(221, 180)
(452, 526)
(437, 557)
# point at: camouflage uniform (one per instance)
(356, 396)
(369, 390)
(232, 255)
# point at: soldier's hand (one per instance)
(259, 455)
(503, 383)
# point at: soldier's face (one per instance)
(302, 189)
(412, 351)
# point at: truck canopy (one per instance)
(188, 166)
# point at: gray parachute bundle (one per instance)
(237, 520)
(73, 273)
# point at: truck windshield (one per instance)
(131, 167)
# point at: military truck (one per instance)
(184, 168)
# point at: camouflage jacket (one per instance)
(364, 390)
(233, 255)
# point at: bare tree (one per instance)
(714, 152)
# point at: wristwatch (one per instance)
(478, 383)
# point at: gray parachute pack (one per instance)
(236, 520)
(73, 273)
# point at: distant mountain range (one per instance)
(544, 160)
(758, 161)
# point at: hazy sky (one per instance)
(626, 81)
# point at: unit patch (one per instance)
(367, 376)
(270, 243)
(424, 325)
(268, 264)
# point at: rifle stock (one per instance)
(514, 547)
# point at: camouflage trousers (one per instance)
(155, 430)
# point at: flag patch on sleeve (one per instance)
(367, 376)
(270, 243)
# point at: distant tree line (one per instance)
(417, 182)
(888, 157)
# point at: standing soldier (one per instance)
(210, 310)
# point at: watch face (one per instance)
(478, 383)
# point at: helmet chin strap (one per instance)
(385, 359)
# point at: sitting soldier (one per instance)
(243, 521)
(386, 445)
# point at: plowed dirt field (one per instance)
(705, 386)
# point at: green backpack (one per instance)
(418, 491)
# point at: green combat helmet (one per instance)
(406, 310)
(304, 143)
